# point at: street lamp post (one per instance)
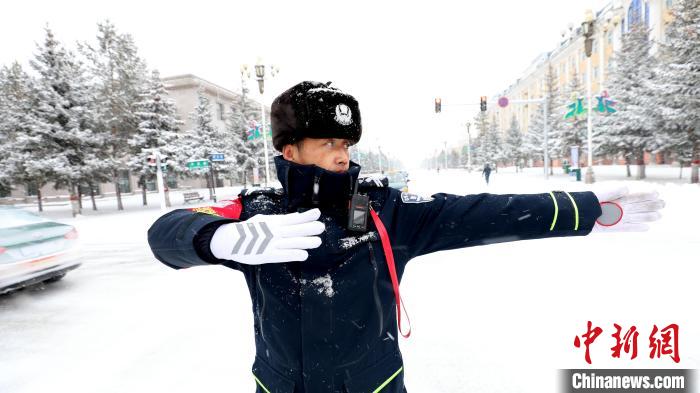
(260, 74)
(587, 27)
(245, 74)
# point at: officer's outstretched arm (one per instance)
(450, 221)
(179, 238)
(185, 238)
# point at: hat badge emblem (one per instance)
(343, 114)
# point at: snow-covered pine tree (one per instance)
(237, 134)
(630, 131)
(65, 107)
(678, 83)
(6, 135)
(28, 157)
(203, 139)
(488, 141)
(534, 138)
(119, 74)
(573, 131)
(495, 148)
(481, 123)
(513, 144)
(158, 127)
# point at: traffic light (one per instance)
(483, 103)
(438, 105)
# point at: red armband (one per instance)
(226, 209)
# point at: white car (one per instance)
(34, 249)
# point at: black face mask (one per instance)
(310, 186)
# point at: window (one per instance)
(4, 190)
(171, 179)
(634, 13)
(85, 189)
(610, 37)
(32, 189)
(124, 182)
(221, 111)
(646, 14)
(669, 3)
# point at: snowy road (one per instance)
(498, 318)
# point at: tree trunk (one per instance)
(80, 199)
(167, 198)
(641, 167)
(92, 196)
(74, 198)
(166, 192)
(680, 174)
(694, 175)
(627, 164)
(120, 206)
(38, 198)
(143, 193)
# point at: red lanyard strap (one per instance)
(389, 255)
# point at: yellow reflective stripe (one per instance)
(575, 209)
(261, 384)
(556, 211)
(391, 378)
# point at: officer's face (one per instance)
(328, 153)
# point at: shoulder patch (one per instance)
(413, 198)
(373, 181)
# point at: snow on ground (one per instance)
(485, 319)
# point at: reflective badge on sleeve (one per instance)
(611, 214)
(413, 198)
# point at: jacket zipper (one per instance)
(317, 188)
(377, 301)
(261, 310)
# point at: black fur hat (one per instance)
(314, 110)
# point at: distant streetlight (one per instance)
(260, 76)
(587, 27)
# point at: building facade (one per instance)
(183, 90)
(568, 60)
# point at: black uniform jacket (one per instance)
(328, 324)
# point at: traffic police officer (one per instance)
(323, 255)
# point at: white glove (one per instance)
(269, 238)
(625, 212)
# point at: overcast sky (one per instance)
(393, 57)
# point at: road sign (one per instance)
(217, 157)
(503, 102)
(195, 164)
(255, 133)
